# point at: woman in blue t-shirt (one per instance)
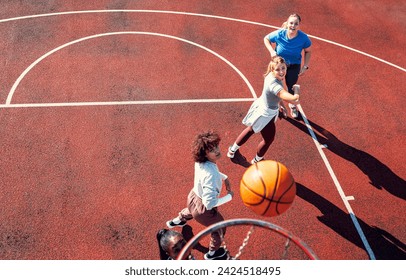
(290, 42)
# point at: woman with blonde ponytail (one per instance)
(263, 113)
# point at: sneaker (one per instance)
(230, 153)
(219, 253)
(172, 224)
(293, 111)
(254, 160)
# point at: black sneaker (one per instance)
(218, 254)
(172, 224)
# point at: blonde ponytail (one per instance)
(272, 64)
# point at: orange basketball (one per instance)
(268, 188)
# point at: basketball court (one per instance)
(100, 102)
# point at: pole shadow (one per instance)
(380, 175)
(384, 245)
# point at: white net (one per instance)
(260, 240)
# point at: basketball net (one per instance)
(286, 238)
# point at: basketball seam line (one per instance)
(262, 197)
(287, 190)
(254, 192)
(274, 191)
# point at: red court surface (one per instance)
(99, 104)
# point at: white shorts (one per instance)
(258, 116)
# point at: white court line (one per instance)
(198, 15)
(319, 147)
(25, 72)
(109, 103)
(338, 186)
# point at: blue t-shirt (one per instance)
(289, 49)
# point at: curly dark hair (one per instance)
(203, 142)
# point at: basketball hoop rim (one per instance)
(246, 221)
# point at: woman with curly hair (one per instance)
(203, 199)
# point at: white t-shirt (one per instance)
(208, 183)
(269, 96)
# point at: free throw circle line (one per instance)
(28, 69)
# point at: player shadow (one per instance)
(384, 245)
(240, 159)
(188, 234)
(380, 175)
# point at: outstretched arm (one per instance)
(286, 96)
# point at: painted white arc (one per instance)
(319, 147)
(24, 73)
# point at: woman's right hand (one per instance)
(296, 99)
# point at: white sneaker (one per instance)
(254, 160)
(230, 153)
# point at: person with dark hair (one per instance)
(262, 115)
(289, 43)
(203, 200)
(170, 244)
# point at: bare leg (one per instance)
(244, 136)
